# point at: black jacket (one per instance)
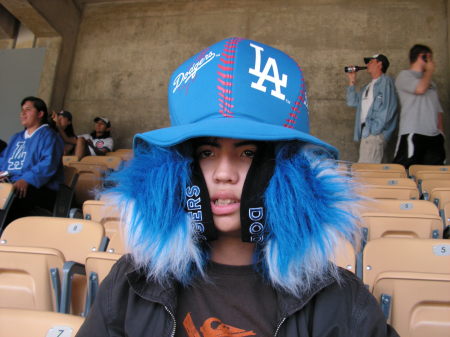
(128, 305)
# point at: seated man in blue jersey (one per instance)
(32, 162)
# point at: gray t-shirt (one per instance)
(419, 113)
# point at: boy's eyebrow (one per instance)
(246, 142)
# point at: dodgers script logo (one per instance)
(15, 162)
(183, 78)
(263, 75)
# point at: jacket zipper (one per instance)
(279, 326)
(173, 319)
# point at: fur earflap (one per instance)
(309, 214)
(152, 191)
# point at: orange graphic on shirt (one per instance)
(213, 327)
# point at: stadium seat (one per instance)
(124, 154)
(98, 265)
(413, 169)
(90, 181)
(69, 159)
(406, 221)
(6, 199)
(411, 280)
(26, 323)
(387, 188)
(440, 196)
(345, 256)
(428, 185)
(62, 240)
(66, 192)
(111, 162)
(378, 170)
(428, 175)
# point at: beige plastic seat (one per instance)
(124, 154)
(61, 240)
(90, 181)
(440, 196)
(387, 188)
(6, 198)
(98, 265)
(413, 169)
(428, 185)
(111, 162)
(406, 221)
(398, 206)
(66, 192)
(422, 175)
(26, 323)
(345, 256)
(378, 170)
(411, 280)
(69, 159)
(99, 211)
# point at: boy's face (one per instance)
(100, 127)
(225, 163)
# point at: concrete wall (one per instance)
(127, 50)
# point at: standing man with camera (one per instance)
(376, 106)
(421, 134)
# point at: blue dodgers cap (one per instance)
(237, 88)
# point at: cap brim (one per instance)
(367, 59)
(237, 128)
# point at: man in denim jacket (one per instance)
(376, 106)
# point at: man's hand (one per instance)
(429, 66)
(351, 78)
(21, 186)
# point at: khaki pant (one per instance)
(371, 149)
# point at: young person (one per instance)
(33, 161)
(96, 143)
(233, 213)
(63, 123)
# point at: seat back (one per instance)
(441, 198)
(6, 199)
(30, 277)
(397, 206)
(66, 192)
(98, 265)
(387, 188)
(111, 162)
(74, 238)
(345, 257)
(124, 154)
(90, 181)
(69, 159)
(99, 211)
(378, 170)
(413, 169)
(26, 323)
(428, 185)
(413, 219)
(422, 175)
(411, 280)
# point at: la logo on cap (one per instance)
(264, 75)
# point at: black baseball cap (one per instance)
(104, 120)
(379, 57)
(66, 114)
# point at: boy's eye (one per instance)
(204, 154)
(249, 153)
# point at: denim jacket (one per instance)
(382, 115)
